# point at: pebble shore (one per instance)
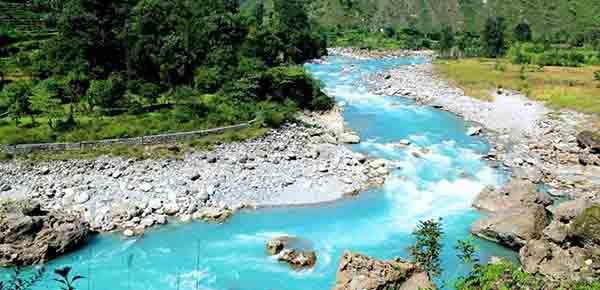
(301, 163)
(536, 143)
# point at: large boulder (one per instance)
(568, 210)
(359, 272)
(512, 228)
(516, 194)
(214, 215)
(295, 252)
(548, 259)
(567, 250)
(29, 235)
(589, 140)
(585, 228)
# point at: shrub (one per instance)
(586, 226)
(597, 75)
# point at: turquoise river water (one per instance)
(378, 222)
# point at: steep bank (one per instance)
(29, 235)
(297, 164)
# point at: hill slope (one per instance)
(547, 17)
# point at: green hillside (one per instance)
(559, 19)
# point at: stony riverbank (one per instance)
(535, 142)
(550, 157)
(301, 163)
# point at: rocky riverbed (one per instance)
(552, 155)
(535, 142)
(302, 163)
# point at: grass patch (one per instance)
(141, 152)
(99, 128)
(559, 87)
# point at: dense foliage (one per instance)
(206, 62)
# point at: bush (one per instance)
(504, 275)
(597, 75)
(293, 83)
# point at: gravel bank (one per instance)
(537, 143)
(297, 164)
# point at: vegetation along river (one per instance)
(441, 183)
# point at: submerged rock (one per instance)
(359, 272)
(29, 235)
(214, 215)
(295, 252)
(349, 138)
(474, 131)
(298, 259)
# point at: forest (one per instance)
(139, 67)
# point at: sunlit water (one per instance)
(379, 222)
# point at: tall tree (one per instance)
(447, 41)
(522, 32)
(492, 37)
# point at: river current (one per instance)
(441, 183)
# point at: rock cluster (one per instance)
(297, 164)
(569, 248)
(29, 235)
(359, 272)
(293, 251)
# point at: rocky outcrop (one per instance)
(359, 272)
(517, 213)
(295, 252)
(568, 249)
(30, 235)
(512, 228)
(516, 194)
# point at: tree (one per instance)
(427, 248)
(106, 93)
(16, 94)
(295, 30)
(43, 99)
(522, 32)
(447, 41)
(493, 37)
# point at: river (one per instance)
(441, 183)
